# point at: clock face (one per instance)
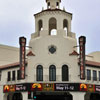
(52, 49)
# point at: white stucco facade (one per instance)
(47, 51)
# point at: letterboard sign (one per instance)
(21, 87)
(66, 87)
(97, 88)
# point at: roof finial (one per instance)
(53, 4)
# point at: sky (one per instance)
(16, 20)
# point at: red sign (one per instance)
(90, 88)
(6, 88)
(22, 41)
(36, 87)
(83, 87)
(82, 41)
(48, 87)
(9, 88)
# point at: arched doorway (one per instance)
(17, 96)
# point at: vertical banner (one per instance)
(82, 41)
(22, 42)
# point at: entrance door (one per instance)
(17, 96)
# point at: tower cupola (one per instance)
(53, 4)
(53, 21)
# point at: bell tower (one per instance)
(53, 21)
(53, 4)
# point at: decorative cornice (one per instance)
(48, 11)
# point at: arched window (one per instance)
(40, 25)
(52, 26)
(52, 73)
(39, 73)
(65, 25)
(65, 73)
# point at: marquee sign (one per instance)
(48, 87)
(82, 41)
(66, 87)
(22, 42)
(34, 87)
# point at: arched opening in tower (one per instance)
(52, 26)
(48, 5)
(40, 25)
(65, 26)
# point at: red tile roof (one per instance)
(13, 65)
(10, 65)
(92, 63)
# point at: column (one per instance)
(78, 95)
(25, 95)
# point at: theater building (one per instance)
(52, 68)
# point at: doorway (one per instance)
(54, 97)
(17, 96)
